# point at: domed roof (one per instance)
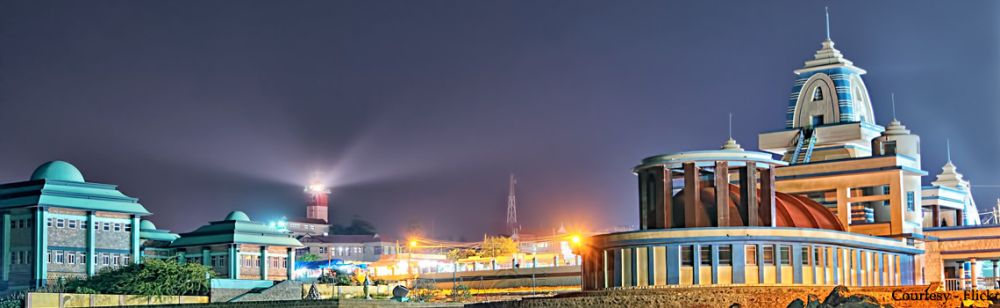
(57, 170)
(237, 216)
(146, 225)
(791, 210)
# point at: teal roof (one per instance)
(57, 170)
(59, 184)
(237, 228)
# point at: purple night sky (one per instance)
(418, 110)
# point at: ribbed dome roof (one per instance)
(791, 210)
(237, 216)
(57, 170)
(146, 225)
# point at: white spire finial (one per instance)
(827, 9)
(730, 125)
(948, 148)
(893, 94)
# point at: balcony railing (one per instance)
(982, 283)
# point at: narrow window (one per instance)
(909, 201)
(118, 227)
(48, 222)
(107, 226)
(128, 227)
(72, 224)
(817, 94)
(687, 256)
(768, 254)
(725, 255)
(751, 255)
(817, 120)
(60, 223)
(70, 258)
(706, 255)
(786, 254)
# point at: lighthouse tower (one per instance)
(318, 199)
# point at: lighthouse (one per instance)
(317, 201)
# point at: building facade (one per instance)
(350, 248)
(238, 248)
(57, 226)
(844, 205)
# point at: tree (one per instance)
(459, 253)
(308, 257)
(358, 226)
(498, 246)
(153, 277)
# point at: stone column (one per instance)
(936, 215)
(234, 262)
(263, 263)
(974, 268)
(91, 243)
(748, 187)
(290, 266)
(41, 241)
(722, 193)
(767, 203)
(6, 246)
(961, 275)
(667, 179)
(135, 240)
(694, 214)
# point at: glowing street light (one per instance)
(413, 243)
(575, 240)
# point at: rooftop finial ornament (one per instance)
(893, 96)
(730, 125)
(731, 143)
(947, 145)
(827, 10)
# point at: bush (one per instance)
(153, 278)
(13, 300)
(461, 293)
(423, 290)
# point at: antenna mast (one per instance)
(512, 208)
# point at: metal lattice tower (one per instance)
(512, 207)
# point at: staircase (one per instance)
(804, 144)
(285, 290)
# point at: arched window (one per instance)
(817, 94)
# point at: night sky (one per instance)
(417, 111)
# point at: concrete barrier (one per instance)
(327, 291)
(61, 300)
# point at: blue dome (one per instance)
(57, 170)
(237, 216)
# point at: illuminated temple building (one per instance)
(833, 198)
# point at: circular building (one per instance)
(715, 218)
